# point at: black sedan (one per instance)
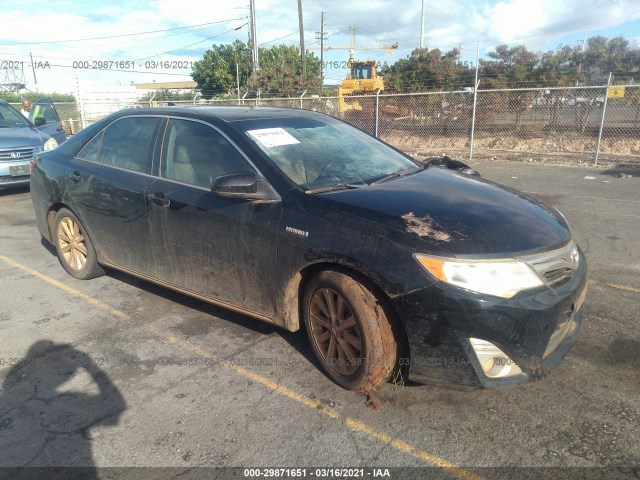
(295, 218)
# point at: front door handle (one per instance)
(75, 177)
(159, 199)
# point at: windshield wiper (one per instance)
(398, 173)
(337, 186)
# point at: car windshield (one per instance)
(11, 118)
(318, 154)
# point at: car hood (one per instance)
(21, 137)
(458, 213)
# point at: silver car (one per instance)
(21, 140)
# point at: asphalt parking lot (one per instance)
(116, 372)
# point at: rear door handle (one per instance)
(159, 199)
(75, 177)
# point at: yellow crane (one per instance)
(362, 77)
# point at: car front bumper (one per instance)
(440, 321)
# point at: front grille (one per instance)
(557, 275)
(10, 179)
(555, 266)
(13, 154)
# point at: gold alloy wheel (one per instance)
(335, 331)
(72, 244)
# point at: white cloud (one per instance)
(448, 23)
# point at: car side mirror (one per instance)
(235, 184)
(39, 121)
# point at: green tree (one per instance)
(427, 69)
(215, 74)
(280, 70)
(13, 97)
(509, 67)
(165, 95)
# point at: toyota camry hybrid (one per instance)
(396, 269)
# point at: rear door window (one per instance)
(128, 143)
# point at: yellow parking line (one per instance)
(71, 291)
(615, 285)
(351, 423)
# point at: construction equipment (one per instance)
(362, 78)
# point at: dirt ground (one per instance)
(567, 150)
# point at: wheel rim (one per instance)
(335, 331)
(72, 244)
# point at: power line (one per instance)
(122, 35)
(84, 46)
(279, 38)
(466, 5)
(192, 44)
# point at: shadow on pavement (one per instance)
(50, 400)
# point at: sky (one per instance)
(160, 38)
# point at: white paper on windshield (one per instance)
(273, 137)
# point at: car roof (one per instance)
(227, 114)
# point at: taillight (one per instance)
(32, 163)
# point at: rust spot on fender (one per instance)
(425, 227)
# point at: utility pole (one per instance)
(33, 69)
(584, 42)
(254, 40)
(238, 83)
(422, 24)
(321, 35)
(303, 53)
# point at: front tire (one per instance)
(75, 250)
(349, 332)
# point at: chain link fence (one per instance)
(586, 122)
(621, 127)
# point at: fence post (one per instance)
(83, 121)
(604, 111)
(377, 111)
(473, 118)
(303, 93)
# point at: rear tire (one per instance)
(349, 332)
(75, 250)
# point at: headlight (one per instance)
(502, 278)
(50, 144)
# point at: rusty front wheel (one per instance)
(349, 331)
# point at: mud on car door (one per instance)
(46, 119)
